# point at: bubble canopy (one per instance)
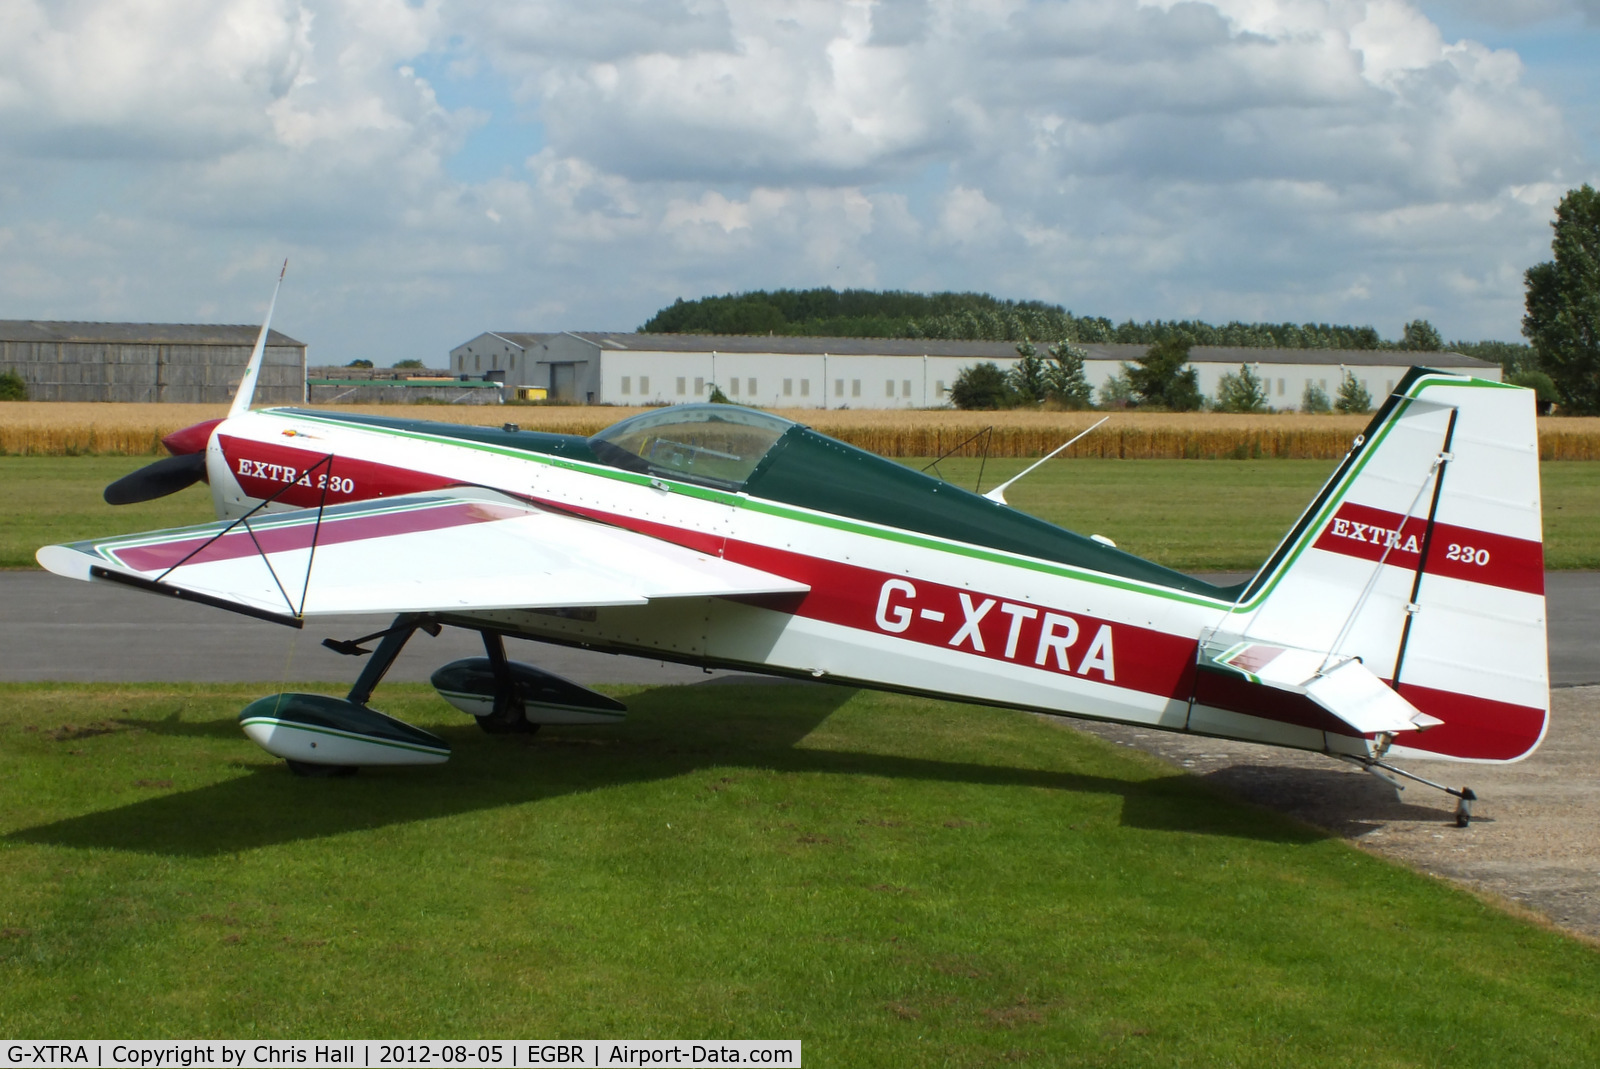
(717, 445)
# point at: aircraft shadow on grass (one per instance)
(1342, 800)
(757, 727)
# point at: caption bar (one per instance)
(518, 1054)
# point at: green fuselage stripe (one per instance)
(1299, 539)
(273, 721)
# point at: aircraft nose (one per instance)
(191, 439)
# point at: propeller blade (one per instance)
(166, 476)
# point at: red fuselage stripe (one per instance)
(1050, 639)
(334, 529)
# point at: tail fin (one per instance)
(1423, 557)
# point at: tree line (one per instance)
(1160, 380)
(1561, 359)
(979, 317)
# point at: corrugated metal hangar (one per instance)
(786, 372)
(148, 361)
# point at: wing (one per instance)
(433, 552)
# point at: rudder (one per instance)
(1423, 556)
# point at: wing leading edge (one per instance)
(434, 552)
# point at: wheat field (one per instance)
(32, 428)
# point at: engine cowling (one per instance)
(470, 685)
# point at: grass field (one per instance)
(893, 881)
(1190, 515)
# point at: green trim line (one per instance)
(265, 521)
(1083, 573)
(1410, 388)
(301, 725)
(587, 710)
(1131, 573)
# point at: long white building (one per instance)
(785, 372)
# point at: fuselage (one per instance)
(1101, 634)
(913, 584)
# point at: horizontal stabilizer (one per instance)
(1341, 685)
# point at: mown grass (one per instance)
(1197, 516)
(893, 881)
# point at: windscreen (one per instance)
(719, 445)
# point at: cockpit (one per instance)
(715, 445)
(745, 450)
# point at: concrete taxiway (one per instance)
(56, 629)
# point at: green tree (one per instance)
(12, 387)
(1563, 320)
(1161, 380)
(1353, 397)
(1420, 337)
(1541, 384)
(359, 363)
(981, 386)
(1117, 391)
(1065, 381)
(1241, 392)
(1314, 400)
(1511, 356)
(407, 364)
(1027, 377)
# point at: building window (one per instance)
(1391, 387)
(905, 388)
(855, 387)
(938, 388)
(805, 387)
(681, 388)
(477, 362)
(838, 387)
(627, 385)
(644, 385)
(888, 387)
(513, 361)
(749, 387)
(699, 386)
(788, 387)
(733, 386)
(1281, 388)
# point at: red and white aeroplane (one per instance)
(1403, 615)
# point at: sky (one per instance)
(433, 169)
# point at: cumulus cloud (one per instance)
(1282, 159)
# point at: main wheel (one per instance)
(510, 717)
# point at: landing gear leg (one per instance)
(509, 716)
(1387, 772)
(394, 640)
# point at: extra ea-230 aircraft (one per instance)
(1403, 615)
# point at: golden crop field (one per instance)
(66, 429)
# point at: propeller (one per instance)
(165, 476)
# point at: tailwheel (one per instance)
(1464, 796)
